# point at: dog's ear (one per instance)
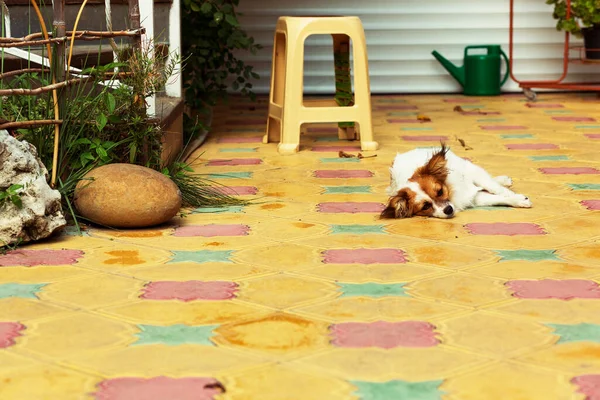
(437, 165)
(398, 207)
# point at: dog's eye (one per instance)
(426, 206)
(440, 192)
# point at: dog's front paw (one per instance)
(521, 201)
(504, 180)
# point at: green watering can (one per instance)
(480, 74)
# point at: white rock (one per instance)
(41, 214)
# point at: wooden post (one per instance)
(134, 20)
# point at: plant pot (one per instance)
(591, 40)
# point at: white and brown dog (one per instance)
(438, 183)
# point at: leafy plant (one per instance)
(213, 40)
(584, 14)
(11, 194)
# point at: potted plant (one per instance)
(212, 41)
(584, 20)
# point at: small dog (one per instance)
(437, 183)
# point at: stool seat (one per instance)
(287, 109)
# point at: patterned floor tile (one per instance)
(306, 287)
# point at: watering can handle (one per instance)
(507, 67)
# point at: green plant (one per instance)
(12, 194)
(584, 14)
(212, 41)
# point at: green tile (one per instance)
(399, 390)
(238, 150)
(231, 175)
(582, 332)
(346, 189)
(174, 335)
(329, 160)
(372, 289)
(357, 229)
(22, 290)
(549, 158)
(202, 256)
(527, 255)
(584, 186)
(517, 136)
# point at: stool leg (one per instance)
(362, 93)
(294, 82)
(277, 94)
(343, 82)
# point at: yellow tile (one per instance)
(281, 334)
(24, 309)
(455, 257)
(45, 274)
(427, 228)
(280, 257)
(556, 311)
(577, 358)
(45, 382)
(74, 334)
(12, 361)
(348, 309)
(588, 253)
(518, 382)
(288, 229)
(158, 359)
(258, 383)
(537, 270)
(382, 273)
(498, 336)
(168, 312)
(464, 289)
(96, 291)
(378, 365)
(284, 291)
(121, 256)
(187, 271)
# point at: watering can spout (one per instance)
(457, 72)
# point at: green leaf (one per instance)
(206, 7)
(218, 17)
(101, 152)
(82, 141)
(101, 121)
(194, 7)
(14, 188)
(110, 102)
(16, 200)
(231, 20)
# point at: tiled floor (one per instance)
(307, 295)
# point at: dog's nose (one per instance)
(448, 210)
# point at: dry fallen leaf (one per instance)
(463, 144)
(343, 154)
(361, 156)
(458, 109)
(423, 118)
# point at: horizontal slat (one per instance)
(401, 34)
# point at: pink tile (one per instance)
(350, 207)
(423, 138)
(502, 127)
(589, 385)
(189, 290)
(364, 256)
(504, 229)
(243, 122)
(405, 121)
(574, 119)
(234, 161)
(544, 105)
(531, 146)
(9, 331)
(570, 171)
(591, 204)
(239, 190)
(336, 149)
(242, 139)
(592, 135)
(554, 289)
(385, 335)
(29, 258)
(158, 388)
(212, 230)
(343, 173)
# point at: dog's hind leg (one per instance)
(485, 199)
(504, 180)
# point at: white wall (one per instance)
(402, 33)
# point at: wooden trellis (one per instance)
(61, 78)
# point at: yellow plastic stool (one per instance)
(287, 110)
